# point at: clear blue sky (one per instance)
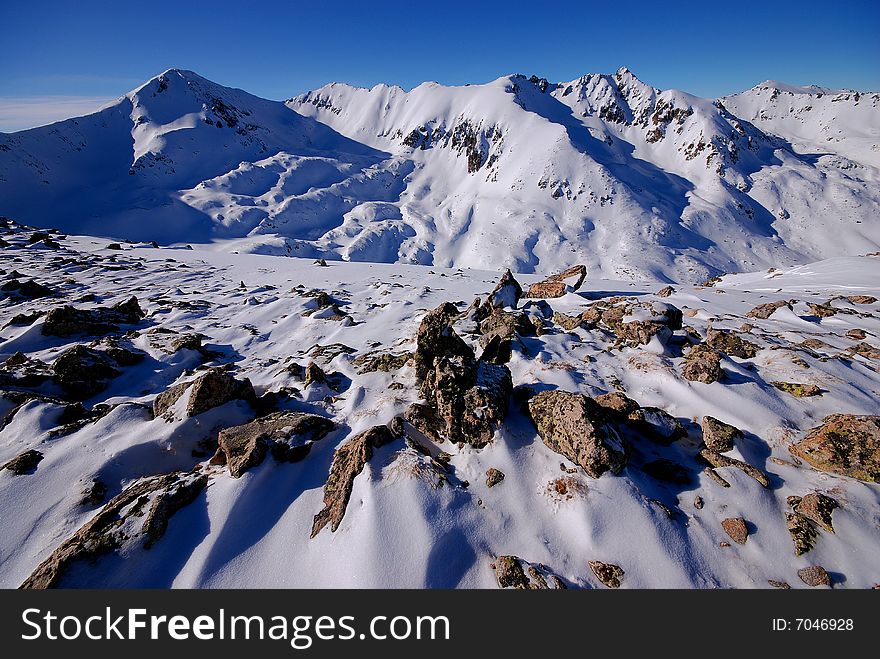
(87, 51)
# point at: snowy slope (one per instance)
(401, 528)
(604, 170)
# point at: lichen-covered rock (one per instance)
(666, 291)
(507, 292)
(288, 435)
(731, 343)
(821, 310)
(68, 321)
(510, 574)
(608, 573)
(559, 284)
(815, 575)
(499, 332)
(381, 361)
(618, 402)
(736, 528)
(580, 429)
(862, 299)
(845, 444)
(567, 322)
(816, 507)
(121, 524)
(719, 436)
(24, 463)
(797, 389)
(638, 323)
(702, 364)
(212, 389)
(718, 461)
(764, 311)
(348, 461)
(83, 372)
(493, 477)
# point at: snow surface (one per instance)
(400, 529)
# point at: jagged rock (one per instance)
(469, 397)
(698, 502)
(702, 364)
(493, 477)
(507, 293)
(115, 246)
(815, 575)
(27, 289)
(509, 573)
(289, 436)
(608, 573)
(580, 429)
(348, 461)
(798, 389)
(21, 319)
(397, 427)
(764, 311)
(861, 299)
(314, 374)
(816, 507)
(123, 355)
(821, 310)
(559, 284)
(23, 371)
(381, 361)
(186, 342)
(95, 493)
(620, 403)
(844, 444)
(24, 463)
(736, 528)
(499, 332)
(718, 460)
(75, 416)
(215, 387)
(666, 291)
(658, 425)
(731, 343)
(566, 322)
(719, 436)
(83, 372)
(637, 323)
(67, 320)
(865, 350)
(117, 526)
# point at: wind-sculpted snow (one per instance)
(520, 172)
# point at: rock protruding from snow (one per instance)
(609, 574)
(348, 461)
(518, 574)
(507, 292)
(288, 435)
(559, 284)
(702, 364)
(69, 321)
(24, 463)
(736, 528)
(719, 436)
(717, 460)
(845, 444)
(580, 429)
(212, 389)
(84, 372)
(731, 343)
(634, 323)
(764, 311)
(815, 575)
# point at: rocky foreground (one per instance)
(174, 417)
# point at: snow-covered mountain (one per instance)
(519, 172)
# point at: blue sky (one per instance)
(61, 57)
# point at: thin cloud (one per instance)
(20, 113)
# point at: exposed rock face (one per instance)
(213, 388)
(608, 573)
(507, 293)
(559, 284)
(580, 429)
(651, 422)
(821, 310)
(635, 323)
(666, 291)
(289, 436)
(510, 574)
(717, 460)
(702, 364)
(84, 372)
(862, 299)
(817, 508)
(845, 444)
(468, 398)
(731, 343)
(736, 528)
(348, 461)
(764, 311)
(68, 321)
(815, 575)
(493, 477)
(719, 436)
(23, 371)
(499, 332)
(24, 463)
(118, 525)
(29, 289)
(798, 389)
(381, 361)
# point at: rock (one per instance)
(212, 389)
(764, 311)
(67, 321)
(115, 246)
(559, 284)
(816, 507)
(856, 334)
(608, 573)
(718, 460)
(802, 532)
(95, 493)
(797, 389)
(396, 426)
(118, 525)
(289, 436)
(715, 476)
(815, 575)
(348, 461)
(24, 463)
(21, 319)
(731, 343)
(469, 397)
(322, 263)
(657, 425)
(580, 429)
(618, 402)
(719, 436)
(779, 584)
(844, 444)
(38, 236)
(510, 574)
(507, 293)
(666, 291)
(821, 310)
(314, 374)
(381, 361)
(702, 364)
(698, 502)
(493, 477)
(123, 353)
(19, 370)
(861, 299)
(83, 372)
(566, 322)
(736, 528)
(638, 323)
(667, 471)
(186, 342)
(499, 332)
(27, 289)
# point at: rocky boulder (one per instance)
(702, 364)
(764, 311)
(580, 429)
(719, 436)
(845, 444)
(507, 293)
(609, 574)
(24, 463)
(736, 528)
(731, 343)
(68, 321)
(83, 372)
(211, 389)
(559, 284)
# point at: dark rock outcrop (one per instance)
(24, 463)
(83, 372)
(506, 293)
(731, 343)
(719, 436)
(608, 573)
(68, 321)
(493, 477)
